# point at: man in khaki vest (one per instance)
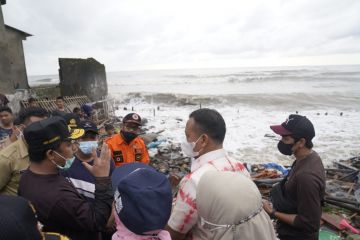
(14, 158)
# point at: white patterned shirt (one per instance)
(184, 217)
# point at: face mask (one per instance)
(128, 136)
(285, 149)
(87, 147)
(188, 148)
(68, 162)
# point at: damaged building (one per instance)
(12, 60)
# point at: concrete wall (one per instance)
(83, 77)
(6, 85)
(12, 61)
(17, 58)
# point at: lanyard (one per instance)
(213, 226)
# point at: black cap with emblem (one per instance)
(72, 120)
(88, 126)
(47, 134)
(132, 118)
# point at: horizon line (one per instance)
(202, 68)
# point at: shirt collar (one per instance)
(120, 139)
(203, 159)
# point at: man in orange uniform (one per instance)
(127, 146)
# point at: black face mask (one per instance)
(128, 136)
(285, 148)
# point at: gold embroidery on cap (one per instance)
(51, 140)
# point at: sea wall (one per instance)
(83, 77)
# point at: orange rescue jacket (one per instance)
(123, 153)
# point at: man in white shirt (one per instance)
(205, 132)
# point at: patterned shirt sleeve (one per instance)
(184, 214)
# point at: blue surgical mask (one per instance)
(68, 162)
(87, 147)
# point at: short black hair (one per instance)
(89, 135)
(308, 142)
(32, 100)
(211, 122)
(109, 127)
(26, 113)
(76, 110)
(60, 97)
(5, 109)
(36, 155)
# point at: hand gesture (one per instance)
(267, 206)
(101, 166)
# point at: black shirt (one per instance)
(60, 208)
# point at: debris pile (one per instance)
(169, 159)
(341, 210)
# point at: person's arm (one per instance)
(14, 135)
(284, 217)
(145, 156)
(184, 215)
(74, 212)
(309, 203)
(309, 206)
(110, 149)
(5, 172)
(112, 166)
(174, 234)
(111, 224)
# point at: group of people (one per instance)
(56, 174)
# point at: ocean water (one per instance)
(250, 99)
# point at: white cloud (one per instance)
(138, 34)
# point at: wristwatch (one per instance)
(272, 214)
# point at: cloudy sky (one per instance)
(166, 34)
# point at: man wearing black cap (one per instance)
(297, 200)
(127, 146)
(60, 208)
(80, 177)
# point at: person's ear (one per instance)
(301, 143)
(50, 154)
(204, 140)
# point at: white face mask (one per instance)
(188, 148)
(68, 162)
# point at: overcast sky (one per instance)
(166, 34)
